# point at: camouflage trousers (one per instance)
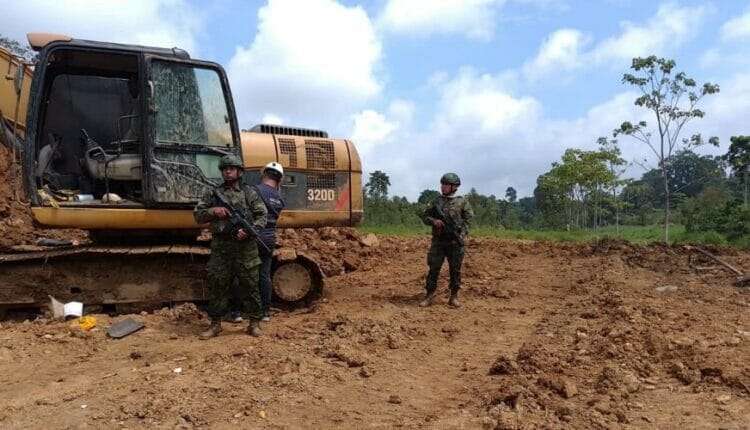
(230, 259)
(439, 251)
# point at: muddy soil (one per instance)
(16, 226)
(549, 336)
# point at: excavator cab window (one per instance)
(89, 136)
(190, 106)
(124, 126)
(193, 125)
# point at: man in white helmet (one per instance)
(269, 191)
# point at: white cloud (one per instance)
(309, 71)
(737, 28)
(472, 18)
(481, 102)
(672, 26)
(726, 112)
(402, 110)
(562, 49)
(669, 28)
(272, 119)
(480, 130)
(491, 138)
(162, 23)
(732, 52)
(372, 128)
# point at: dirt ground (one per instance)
(549, 336)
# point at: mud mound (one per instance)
(613, 342)
(16, 226)
(337, 250)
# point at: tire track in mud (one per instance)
(436, 376)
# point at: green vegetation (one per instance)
(683, 197)
(634, 234)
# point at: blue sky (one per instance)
(494, 90)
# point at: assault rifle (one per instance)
(449, 226)
(237, 219)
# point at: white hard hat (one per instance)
(274, 166)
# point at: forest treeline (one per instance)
(708, 194)
(586, 190)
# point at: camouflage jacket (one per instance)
(242, 197)
(457, 208)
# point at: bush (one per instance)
(709, 237)
(734, 221)
(704, 211)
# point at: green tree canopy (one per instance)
(738, 155)
(511, 195)
(427, 196)
(738, 158)
(377, 187)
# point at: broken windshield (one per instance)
(190, 105)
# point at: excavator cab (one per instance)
(124, 126)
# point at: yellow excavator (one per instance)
(122, 140)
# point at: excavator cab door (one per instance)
(191, 124)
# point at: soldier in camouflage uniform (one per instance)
(457, 209)
(233, 253)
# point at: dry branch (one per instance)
(717, 259)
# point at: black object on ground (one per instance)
(124, 328)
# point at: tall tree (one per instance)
(377, 187)
(672, 98)
(511, 195)
(616, 166)
(552, 200)
(738, 158)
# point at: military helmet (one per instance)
(451, 179)
(231, 161)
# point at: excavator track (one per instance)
(116, 276)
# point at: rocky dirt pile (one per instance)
(337, 250)
(593, 361)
